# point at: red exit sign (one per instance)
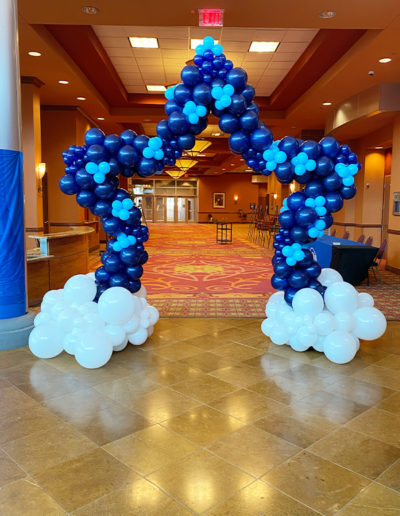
(211, 17)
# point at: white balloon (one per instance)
(42, 318)
(70, 342)
(277, 297)
(94, 319)
(132, 325)
(150, 331)
(80, 289)
(117, 305)
(319, 345)
(307, 301)
(340, 347)
(122, 345)
(344, 321)
(57, 308)
(365, 299)
(153, 314)
(46, 306)
(272, 310)
(329, 276)
(91, 275)
(296, 345)
(138, 338)
(279, 335)
(306, 336)
(116, 333)
(89, 307)
(141, 292)
(266, 326)
(52, 296)
(341, 297)
(283, 310)
(94, 349)
(324, 323)
(45, 341)
(370, 323)
(145, 319)
(290, 322)
(65, 318)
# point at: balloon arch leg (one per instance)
(314, 307)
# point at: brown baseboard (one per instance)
(94, 248)
(396, 270)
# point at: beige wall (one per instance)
(393, 256)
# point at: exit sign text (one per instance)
(211, 17)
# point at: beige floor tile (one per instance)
(23, 422)
(260, 342)
(356, 365)
(12, 399)
(200, 480)
(295, 427)
(375, 500)
(163, 404)
(204, 387)
(80, 481)
(126, 390)
(25, 498)
(357, 452)
(9, 471)
(381, 376)
(207, 342)
(305, 357)
(238, 334)
(172, 372)
(42, 450)
(177, 351)
(237, 352)
(359, 391)
(271, 364)
(285, 390)
(316, 482)
(260, 499)
(203, 425)
(179, 333)
(16, 358)
(137, 359)
(207, 361)
(150, 449)
(239, 375)
(379, 424)
(391, 404)
(206, 326)
(391, 477)
(253, 450)
(252, 325)
(139, 498)
(329, 406)
(246, 405)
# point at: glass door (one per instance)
(181, 209)
(170, 209)
(148, 208)
(191, 209)
(159, 214)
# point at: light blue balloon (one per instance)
(287, 251)
(117, 247)
(321, 210)
(228, 90)
(104, 167)
(280, 157)
(218, 105)
(127, 204)
(320, 224)
(200, 50)
(117, 205)
(271, 166)
(124, 214)
(320, 200)
(155, 143)
(353, 168)
(208, 42)
(132, 239)
(339, 166)
(348, 181)
(299, 169)
(291, 260)
(268, 155)
(91, 167)
(311, 165)
(193, 118)
(169, 93)
(310, 203)
(217, 49)
(201, 111)
(226, 100)
(217, 92)
(159, 154)
(313, 233)
(299, 255)
(302, 158)
(99, 178)
(190, 107)
(148, 153)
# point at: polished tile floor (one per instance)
(209, 418)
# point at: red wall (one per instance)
(231, 184)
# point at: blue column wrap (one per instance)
(12, 242)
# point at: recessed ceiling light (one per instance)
(327, 14)
(63, 82)
(224, 169)
(194, 42)
(143, 42)
(34, 54)
(215, 134)
(385, 60)
(327, 103)
(155, 87)
(100, 118)
(80, 98)
(263, 46)
(378, 147)
(90, 9)
(232, 164)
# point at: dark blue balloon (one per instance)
(143, 257)
(296, 200)
(348, 192)
(112, 225)
(191, 75)
(128, 171)
(238, 105)
(299, 234)
(128, 136)
(140, 143)
(128, 155)
(284, 173)
(239, 142)
(134, 272)
(119, 280)
(94, 136)
(311, 148)
(97, 153)
(163, 130)
(202, 94)
(253, 107)
(182, 94)
(102, 276)
(328, 219)
(134, 286)
(282, 269)
(228, 123)
(199, 127)
(248, 93)
(261, 138)
(186, 141)
(104, 190)
(208, 54)
(171, 106)
(289, 295)
(324, 166)
(112, 142)
(330, 146)
(289, 145)
(237, 77)
(120, 194)
(178, 123)
(102, 208)
(68, 185)
(352, 157)
(313, 270)
(332, 182)
(228, 65)
(314, 189)
(286, 219)
(115, 167)
(307, 260)
(130, 256)
(86, 198)
(249, 121)
(279, 283)
(110, 245)
(304, 178)
(198, 60)
(147, 167)
(84, 179)
(334, 201)
(100, 290)
(298, 279)
(305, 216)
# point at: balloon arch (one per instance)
(325, 169)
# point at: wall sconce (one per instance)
(40, 172)
(275, 196)
(236, 198)
(292, 187)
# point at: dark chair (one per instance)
(333, 232)
(369, 241)
(346, 235)
(361, 239)
(377, 261)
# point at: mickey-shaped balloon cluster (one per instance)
(91, 173)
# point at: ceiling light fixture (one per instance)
(215, 134)
(327, 103)
(143, 42)
(194, 42)
(100, 118)
(263, 46)
(80, 98)
(34, 54)
(63, 82)
(155, 87)
(90, 9)
(378, 147)
(327, 14)
(385, 60)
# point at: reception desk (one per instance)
(59, 256)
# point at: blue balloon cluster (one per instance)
(211, 85)
(91, 173)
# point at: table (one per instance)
(224, 233)
(322, 248)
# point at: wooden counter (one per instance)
(60, 255)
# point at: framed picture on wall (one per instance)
(219, 200)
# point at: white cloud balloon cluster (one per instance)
(332, 324)
(71, 321)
